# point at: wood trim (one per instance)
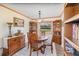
(65, 53)
(65, 5)
(68, 54)
(74, 18)
(47, 17)
(63, 10)
(72, 44)
(13, 10)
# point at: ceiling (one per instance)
(31, 9)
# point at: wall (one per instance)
(46, 20)
(62, 41)
(7, 15)
(50, 33)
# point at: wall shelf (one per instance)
(71, 29)
(73, 19)
(72, 44)
(67, 54)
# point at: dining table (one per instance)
(43, 39)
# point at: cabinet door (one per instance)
(22, 41)
(32, 26)
(12, 45)
(17, 43)
(57, 39)
(57, 31)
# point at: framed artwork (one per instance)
(45, 27)
(17, 22)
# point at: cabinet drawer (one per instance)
(13, 45)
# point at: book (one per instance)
(75, 34)
(78, 34)
(69, 48)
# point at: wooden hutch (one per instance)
(71, 21)
(32, 26)
(57, 31)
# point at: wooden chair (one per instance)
(35, 44)
(28, 39)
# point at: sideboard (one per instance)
(14, 44)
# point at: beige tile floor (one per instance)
(25, 52)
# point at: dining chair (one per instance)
(35, 44)
(28, 39)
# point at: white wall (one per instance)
(62, 17)
(7, 15)
(46, 20)
(51, 21)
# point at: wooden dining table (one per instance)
(42, 40)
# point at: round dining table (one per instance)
(42, 40)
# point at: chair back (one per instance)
(28, 36)
(33, 40)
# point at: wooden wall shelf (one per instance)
(70, 4)
(71, 28)
(67, 54)
(73, 19)
(72, 44)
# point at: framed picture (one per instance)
(17, 22)
(45, 27)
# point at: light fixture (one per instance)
(39, 13)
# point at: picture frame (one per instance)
(45, 27)
(17, 22)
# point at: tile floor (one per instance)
(25, 52)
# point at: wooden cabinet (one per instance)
(57, 39)
(76, 9)
(22, 41)
(14, 45)
(57, 31)
(32, 26)
(68, 12)
(71, 29)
